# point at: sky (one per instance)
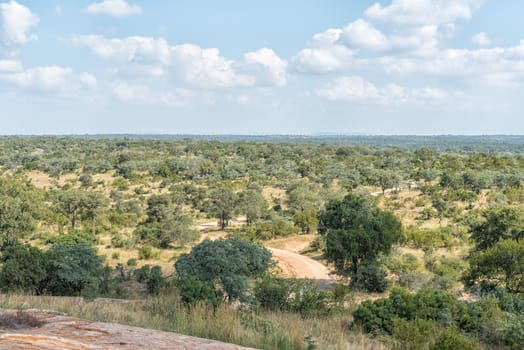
(391, 67)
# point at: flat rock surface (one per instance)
(63, 332)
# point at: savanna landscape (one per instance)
(277, 175)
(291, 244)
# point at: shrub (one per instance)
(272, 293)
(132, 262)
(146, 252)
(193, 291)
(371, 279)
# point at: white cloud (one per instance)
(115, 8)
(356, 89)
(323, 59)
(362, 34)
(143, 94)
(187, 63)
(423, 12)
(206, 67)
(134, 49)
(10, 66)
(481, 39)
(267, 62)
(17, 21)
(50, 78)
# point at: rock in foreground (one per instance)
(34, 330)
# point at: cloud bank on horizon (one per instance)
(397, 67)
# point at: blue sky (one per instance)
(262, 67)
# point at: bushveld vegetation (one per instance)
(428, 241)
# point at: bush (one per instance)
(371, 279)
(132, 262)
(146, 252)
(452, 339)
(193, 291)
(272, 293)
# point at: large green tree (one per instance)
(501, 264)
(226, 263)
(496, 224)
(223, 204)
(356, 232)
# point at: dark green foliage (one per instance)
(294, 295)
(370, 278)
(73, 270)
(65, 269)
(24, 269)
(307, 220)
(272, 293)
(435, 305)
(193, 290)
(501, 264)
(155, 280)
(496, 224)
(270, 229)
(223, 204)
(356, 231)
(227, 263)
(253, 205)
(146, 252)
(166, 223)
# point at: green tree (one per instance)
(166, 223)
(24, 269)
(440, 206)
(496, 224)
(356, 232)
(307, 220)
(502, 264)
(73, 270)
(226, 263)
(223, 205)
(253, 205)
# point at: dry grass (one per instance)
(255, 329)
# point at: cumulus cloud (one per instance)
(362, 34)
(17, 22)
(143, 94)
(49, 78)
(271, 67)
(423, 12)
(10, 66)
(115, 8)
(356, 89)
(481, 39)
(189, 63)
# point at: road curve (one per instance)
(299, 266)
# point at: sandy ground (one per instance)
(68, 333)
(299, 266)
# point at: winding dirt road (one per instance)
(300, 266)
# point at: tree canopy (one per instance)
(356, 232)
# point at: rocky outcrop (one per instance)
(32, 330)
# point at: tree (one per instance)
(307, 220)
(356, 232)
(502, 264)
(226, 264)
(253, 205)
(74, 203)
(166, 223)
(498, 223)
(73, 269)
(440, 206)
(223, 205)
(388, 179)
(24, 269)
